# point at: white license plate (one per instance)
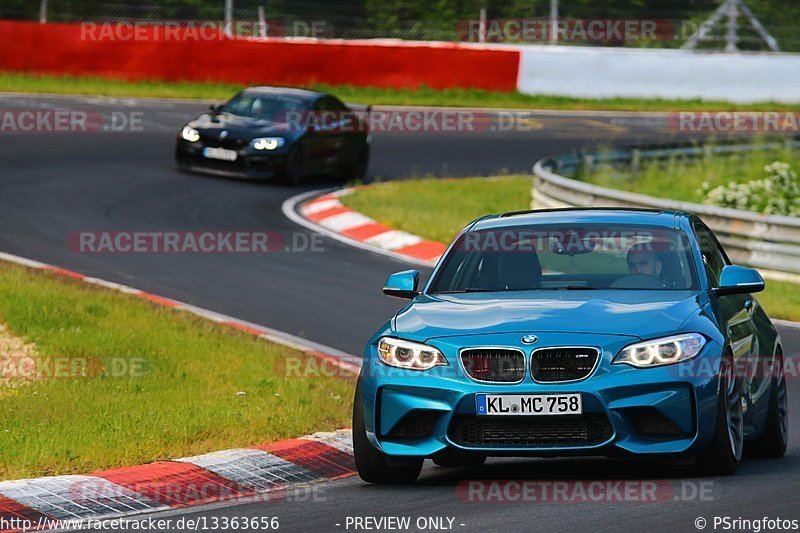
(528, 404)
(220, 153)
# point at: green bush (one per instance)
(778, 193)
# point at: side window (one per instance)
(337, 104)
(713, 257)
(326, 103)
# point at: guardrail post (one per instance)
(229, 18)
(636, 158)
(262, 23)
(587, 162)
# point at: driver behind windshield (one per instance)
(643, 261)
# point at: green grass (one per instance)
(681, 179)
(438, 208)
(35, 83)
(183, 402)
(781, 299)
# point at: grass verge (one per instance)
(438, 208)
(124, 382)
(97, 86)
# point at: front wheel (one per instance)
(293, 167)
(373, 465)
(356, 167)
(725, 452)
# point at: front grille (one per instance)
(530, 431)
(494, 365)
(229, 143)
(562, 364)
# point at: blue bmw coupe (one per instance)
(573, 332)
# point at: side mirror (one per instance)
(402, 284)
(739, 280)
(215, 108)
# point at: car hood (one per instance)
(642, 314)
(238, 127)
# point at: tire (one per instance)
(181, 162)
(456, 459)
(293, 167)
(372, 464)
(356, 167)
(773, 441)
(725, 452)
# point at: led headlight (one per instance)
(268, 143)
(190, 134)
(664, 351)
(410, 355)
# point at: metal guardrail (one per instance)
(766, 242)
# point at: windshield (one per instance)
(568, 257)
(272, 107)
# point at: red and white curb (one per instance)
(269, 469)
(325, 214)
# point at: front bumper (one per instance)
(627, 410)
(249, 164)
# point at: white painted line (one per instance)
(113, 286)
(22, 261)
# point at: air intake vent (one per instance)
(530, 431)
(494, 365)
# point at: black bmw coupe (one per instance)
(277, 133)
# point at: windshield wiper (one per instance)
(468, 289)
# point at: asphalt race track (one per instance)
(53, 184)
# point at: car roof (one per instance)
(286, 91)
(581, 215)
